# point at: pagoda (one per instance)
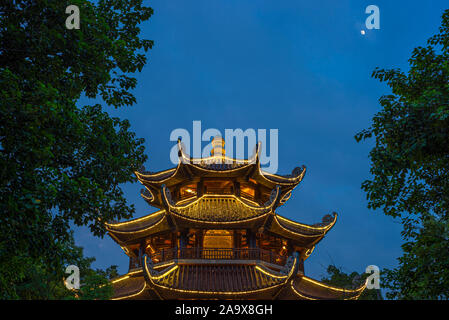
(216, 235)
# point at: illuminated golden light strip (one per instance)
(219, 292)
(204, 197)
(287, 196)
(249, 200)
(158, 276)
(114, 237)
(125, 276)
(213, 160)
(213, 292)
(327, 227)
(132, 295)
(293, 267)
(357, 296)
(151, 248)
(270, 274)
(237, 292)
(210, 158)
(296, 180)
(296, 233)
(346, 291)
(164, 274)
(151, 193)
(139, 231)
(323, 285)
(163, 265)
(121, 279)
(299, 177)
(198, 167)
(125, 249)
(299, 294)
(265, 173)
(309, 251)
(292, 188)
(248, 162)
(180, 216)
(186, 200)
(135, 220)
(137, 173)
(231, 160)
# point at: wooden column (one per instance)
(199, 188)
(301, 263)
(237, 188)
(251, 238)
(183, 238)
(257, 194)
(237, 239)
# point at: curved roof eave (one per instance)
(124, 234)
(157, 177)
(289, 181)
(128, 286)
(137, 224)
(310, 289)
(307, 235)
(328, 221)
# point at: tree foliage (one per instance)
(410, 167)
(61, 163)
(38, 283)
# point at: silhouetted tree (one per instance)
(410, 168)
(61, 163)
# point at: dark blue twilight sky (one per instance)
(302, 67)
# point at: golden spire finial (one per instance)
(218, 149)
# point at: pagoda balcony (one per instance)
(230, 255)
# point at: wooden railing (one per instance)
(218, 254)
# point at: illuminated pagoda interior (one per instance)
(216, 235)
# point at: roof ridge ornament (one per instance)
(143, 170)
(292, 263)
(327, 220)
(167, 196)
(255, 157)
(296, 172)
(182, 157)
(273, 196)
(147, 194)
(150, 273)
(286, 197)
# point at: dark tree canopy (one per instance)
(62, 163)
(410, 167)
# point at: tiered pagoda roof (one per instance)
(191, 169)
(168, 257)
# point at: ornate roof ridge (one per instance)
(231, 208)
(268, 204)
(188, 159)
